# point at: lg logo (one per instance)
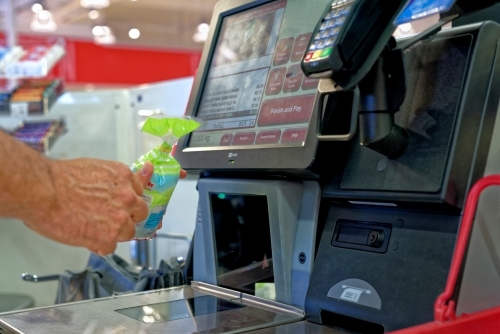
(302, 258)
(232, 155)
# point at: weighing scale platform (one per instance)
(198, 308)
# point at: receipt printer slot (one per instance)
(372, 237)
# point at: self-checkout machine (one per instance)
(259, 195)
(390, 215)
(393, 209)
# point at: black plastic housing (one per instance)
(449, 110)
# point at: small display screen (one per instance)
(179, 309)
(255, 92)
(416, 9)
(242, 241)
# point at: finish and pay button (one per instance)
(290, 110)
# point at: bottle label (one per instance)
(162, 183)
(155, 217)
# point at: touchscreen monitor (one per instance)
(255, 92)
(416, 9)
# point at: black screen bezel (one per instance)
(257, 158)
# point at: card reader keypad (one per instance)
(322, 45)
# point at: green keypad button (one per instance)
(326, 52)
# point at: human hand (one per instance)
(97, 204)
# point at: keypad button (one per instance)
(316, 54)
(308, 56)
(326, 52)
(331, 24)
(318, 36)
(341, 20)
(320, 44)
(313, 46)
(334, 31)
(330, 41)
(336, 13)
(325, 34)
(334, 2)
(346, 10)
(323, 25)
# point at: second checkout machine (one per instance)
(292, 207)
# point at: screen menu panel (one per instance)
(255, 92)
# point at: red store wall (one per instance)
(86, 62)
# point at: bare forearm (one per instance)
(81, 202)
(26, 182)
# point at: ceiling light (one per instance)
(103, 35)
(203, 28)
(93, 14)
(405, 28)
(201, 34)
(134, 33)
(43, 21)
(98, 31)
(94, 4)
(36, 7)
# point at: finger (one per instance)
(144, 175)
(103, 249)
(139, 210)
(183, 174)
(137, 185)
(127, 231)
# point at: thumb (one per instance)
(145, 173)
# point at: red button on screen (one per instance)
(226, 139)
(300, 46)
(283, 51)
(308, 83)
(268, 137)
(289, 110)
(275, 82)
(293, 79)
(294, 135)
(246, 138)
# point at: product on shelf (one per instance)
(5, 102)
(34, 97)
(40, 135)
(34, 62)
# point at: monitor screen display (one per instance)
(416, 9)
(255, 93)
(242, 241)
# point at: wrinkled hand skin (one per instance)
(96, 204)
